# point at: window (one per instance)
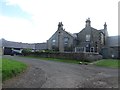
(66, 40)
(87, 45)
(88, 48)
(53, 42)
(79, 49)
(92, 49)
(87, 37)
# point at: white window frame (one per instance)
(88, 37)
(66, 39)
(53, 40)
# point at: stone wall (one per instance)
(76, 56)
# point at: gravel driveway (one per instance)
(50, 74)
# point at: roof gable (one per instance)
(73, 36)
(88, 29)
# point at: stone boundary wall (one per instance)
(76, 56)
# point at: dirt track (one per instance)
(50, 74)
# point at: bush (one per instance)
(26, 52)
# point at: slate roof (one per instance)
(40, 46)
(113, 41)
(74, 35)
(12, 44)
(102, 30)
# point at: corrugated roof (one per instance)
(40, 46)
(12, 44)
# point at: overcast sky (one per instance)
(35, 21)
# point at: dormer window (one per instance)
(87, 37)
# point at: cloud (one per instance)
(12, 27)
(45, 15)
(13, 11)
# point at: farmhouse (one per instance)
(88, 40)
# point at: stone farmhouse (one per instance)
(88, 40)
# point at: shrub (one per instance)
(26, 52)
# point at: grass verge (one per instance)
(113, 63)
(59, 60)
(11, 68)
(62, 60)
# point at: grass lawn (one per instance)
(114, 63)
(11, 68)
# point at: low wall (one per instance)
(76, 56)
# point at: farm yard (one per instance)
(53, 74)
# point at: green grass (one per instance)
(113, 63)
(11, 68)
(62, 60)
(58, 60)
